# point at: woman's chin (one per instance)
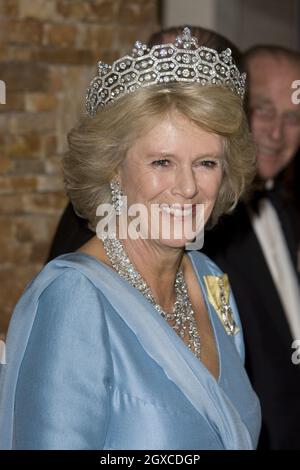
(175, 242)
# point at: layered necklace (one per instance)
(182, 316)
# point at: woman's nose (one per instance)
(186, 185)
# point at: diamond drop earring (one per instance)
(116, 196)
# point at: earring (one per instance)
(116, 196)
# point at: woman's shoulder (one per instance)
(62, 296)
(65, 280)
(68, 269)
(72, 271)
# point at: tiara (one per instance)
(181, 61)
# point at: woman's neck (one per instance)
(156, 264)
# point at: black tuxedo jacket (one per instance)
(234, 247)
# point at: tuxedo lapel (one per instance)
(286, 215)
(232, 241)
(262, 281)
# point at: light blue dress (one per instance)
(90, 364)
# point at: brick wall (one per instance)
(48, 52)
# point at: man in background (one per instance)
(257, 247)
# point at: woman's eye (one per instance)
(207, 163)
(161, 163)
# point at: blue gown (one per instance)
(90, 364)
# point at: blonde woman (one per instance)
(133, 342)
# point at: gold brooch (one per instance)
(218, 294)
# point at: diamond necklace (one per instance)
(182, 316)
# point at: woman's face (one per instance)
(175, 163)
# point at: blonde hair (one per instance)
(98, 145)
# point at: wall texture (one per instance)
(48, 52)
(245, 22)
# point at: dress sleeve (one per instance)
(62, 395)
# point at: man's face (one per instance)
(274, 119)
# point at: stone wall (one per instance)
(48, 52)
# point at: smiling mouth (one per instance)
(176, 211)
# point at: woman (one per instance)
(134, 343)
(72, 230)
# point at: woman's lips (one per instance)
(177, 210)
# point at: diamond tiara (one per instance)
(181, 61)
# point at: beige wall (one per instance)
(245, 22)
(193, 12)
(249, 22)
(48, 54)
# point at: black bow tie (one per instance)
(274, 193)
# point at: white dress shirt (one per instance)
(268, 229)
